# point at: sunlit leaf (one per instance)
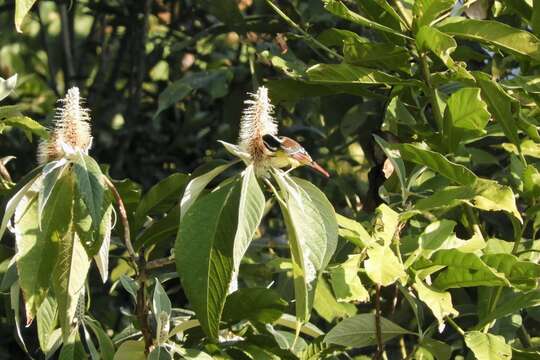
(487, 346)
(22, 7)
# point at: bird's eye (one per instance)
(271, 142)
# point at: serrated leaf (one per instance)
(204, 253)
(487, 346)
(89, 186)
(359, 331)
(38, 246)
(69, 277)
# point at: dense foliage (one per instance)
(138, 228)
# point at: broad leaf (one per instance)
(254, 304)
(487, 346)
(427, 11)
(22, 7)
(204, 253)
(513, 304)
(106, 346)
(494, 32)
(375, 55)
(69, 277)
(383, 266)
(359, 331)
(38, 247)
(130, 350)
(397, 163)
(161, 306)
(440, 302)
(337, 8)
(442, 45)
(160, 197)
(250, 212)
(346, 282)
(350, 74)
(47, 321)
(89, 186)
(197, 184)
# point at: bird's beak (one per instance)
(317, 167)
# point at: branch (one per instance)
(378, 331)
(69, 72)
(155, 264)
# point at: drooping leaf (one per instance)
(440, 302)
(397, 163)
(487, 346)
(89, 186)
(69, 277)
(38, 245)
(359, 331)
(47, 321)
(106, 346)
(500, 104)
(308, 237)
(22, 7)
(102, 257)
(383, 266)
(512, 305)
(204, 253)
(495, 33)
(346, 282)
(250, 212)
(27, 124)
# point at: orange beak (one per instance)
(317, 167)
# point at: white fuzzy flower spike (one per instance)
(71, 131)
(257, 121)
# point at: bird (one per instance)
(285, 151)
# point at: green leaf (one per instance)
(346, 282)
(106, 346)
(436, 162)
(161, 306)
(386, 224)
(159, 230)
(159, 353)
(22, 7)
(38, 245)
(495, 33)
(427, 11)
(309, 237)
(102, 257)
(339, 9)
(337, 37)
(487, 346)
(254, 304)
(467, 110)
(15, 196)
(440, 302)
(350, 74)
(396, 161)
(7, 86)
(485, 194)
(512, 305)
(353, 231)
(521, 274)
(382, 266)
(204, 253)
(500, 105)
(441, 350)
(69, 277)
(47, 320)
(197, 184)
(442, 45)
(376, 55)
(359, 331)
(226, 11)
(250, 213)
(327, 213)
(27, 124)
(130, 350)
(160, 197)
(51, 173)
(89, 186)
(326, 304)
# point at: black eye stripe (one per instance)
(271, 142)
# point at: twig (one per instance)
(125, 223)
(455, 326)
(154, 264)
(289, 21)
(378, 331)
